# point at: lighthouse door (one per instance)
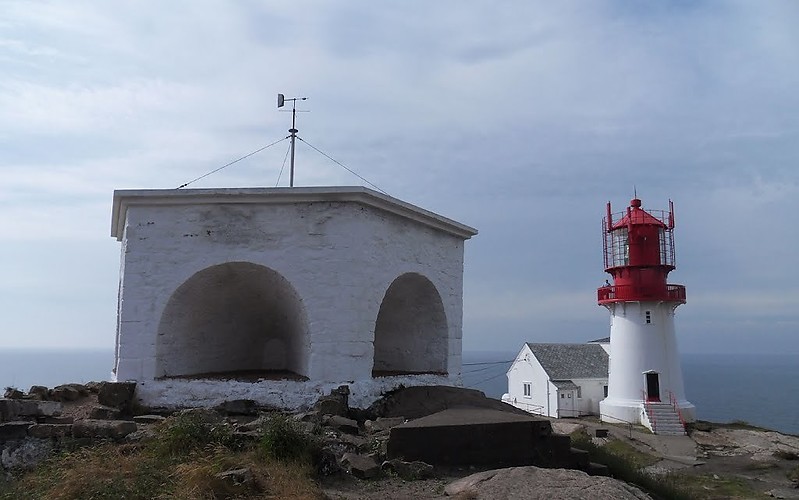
(652, 387)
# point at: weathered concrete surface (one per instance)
(533, 483)
(420, 401)
(356, 287)
(469, 436)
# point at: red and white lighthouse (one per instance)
(645, 382)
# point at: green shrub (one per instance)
(188, 432)
(283, 440)
(628, 469)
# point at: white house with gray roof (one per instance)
(559, 380)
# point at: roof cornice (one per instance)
(125, 198)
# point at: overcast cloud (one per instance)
(518, 118)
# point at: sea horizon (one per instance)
(723, 387)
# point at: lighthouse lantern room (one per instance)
(645, 381)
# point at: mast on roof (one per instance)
(281, 101)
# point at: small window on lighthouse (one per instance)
(648, 317)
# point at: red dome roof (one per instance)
(638, 216)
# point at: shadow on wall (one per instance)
(411, 333)
(233, 318)
(246, 321)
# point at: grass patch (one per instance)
(183, 462)
(794, 474)
(186, 433)
(709, 487)
(283, 440)
(627, 467)
(636, 458)
(102, 472)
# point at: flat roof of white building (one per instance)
(124, 198)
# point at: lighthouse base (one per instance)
(651, 415)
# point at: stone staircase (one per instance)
(664, 419)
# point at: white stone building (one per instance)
(559, 380)
(280, 294)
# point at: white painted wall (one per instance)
(339, 257)
(592, 391)
(638, 347)
(545, 397)
(542, 399)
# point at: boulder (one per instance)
(108, 429)
(342, 424)
(336, 403)
(533, 483)
(360, 466)
(100, 412)
(67, 392)
(383, 424)
(235, 483)
(409, 471)
(116, 394)
(39, 392)
(25, 454)
(13, 393)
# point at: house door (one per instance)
(652, 387)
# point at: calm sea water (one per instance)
(759, 389)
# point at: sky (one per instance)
(520, 118)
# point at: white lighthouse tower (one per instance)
(645, 381)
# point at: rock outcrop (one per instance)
(533, 483)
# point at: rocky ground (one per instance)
(720, 461)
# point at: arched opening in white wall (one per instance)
(233, 320)
(411, 333)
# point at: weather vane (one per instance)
(281, 101)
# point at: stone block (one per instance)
(39, 392)
(239, 407)
(148, 419)
(383, 424)
(467, 436)
(67, 392)
(108, 429)
(332, 405)
(104, 413)
(10, 431)
(19, 409)
(360, 466)
(342, 424)
(116, 394)
(46, 431)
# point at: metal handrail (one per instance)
(673, 401)
(629, 424)
(631, 292)
(536, 409)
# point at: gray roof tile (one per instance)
(570, 361)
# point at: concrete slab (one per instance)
(470, 436)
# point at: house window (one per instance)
(648, 317)
(579, 392)
(528, 389)
(562, 395)
(605, 390)
(569, 394)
